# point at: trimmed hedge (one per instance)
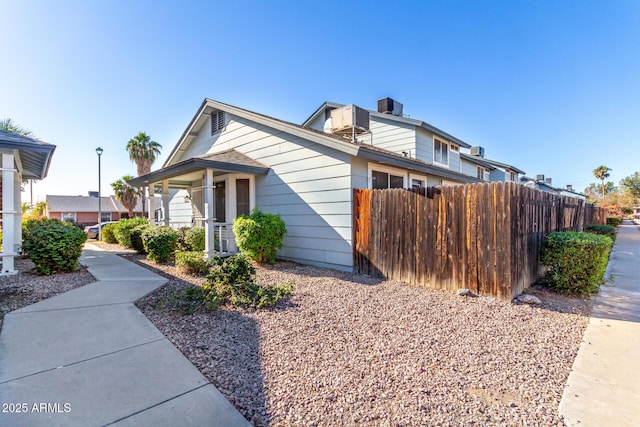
(108, 233)
(136, 237)
(159, 242)
(182, 235)
(605, 230)
(259, 235)
(124, 227)
(577, 261)
(614, 221)
(192, 263)
(194, 239)
(53, 246)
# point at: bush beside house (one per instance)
(52, 245)
(259, 235)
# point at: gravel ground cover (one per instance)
(27, 287)
(346, 349)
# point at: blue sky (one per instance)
(552, 87)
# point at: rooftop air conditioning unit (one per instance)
(477, 151)
(349, 120)
(389, 106)
(539, 177)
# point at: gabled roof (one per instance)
(224, 161)
(406, 120)
(82, 204)
(502, 165)
(87, 204)
(209, 105)
(35, 155)
(337, 142)
(477, 160)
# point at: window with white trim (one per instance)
(69, 216)
(217, 121)
(381, 180)
(480, 172)
(513, 176)
(417, 183)
(105, 216)
(440, 152)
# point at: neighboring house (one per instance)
(23, 159)
(545, 184)
(230, 160)
(497, 171)
(83, 210)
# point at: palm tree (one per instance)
(143, 152)
(602, 173)
(11, 126)
(127, 194)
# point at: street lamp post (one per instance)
(99, 153)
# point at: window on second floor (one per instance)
(513, 176)
(381, 180)
(217, 121)
(483, 173)
(440, 152)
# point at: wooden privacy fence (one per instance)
(484, 237)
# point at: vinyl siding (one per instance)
(308, 185)
(392, 136)
(424, 145)
(497, 175)
(469, 168)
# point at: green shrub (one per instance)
(182, 236)
(192, 263)
(108, 233)
(576, 261)
(194, 238)
(136, 237)
(232, 281)
(259, 235)
(614, 221)
(53, 246)
(124, 227)
(605, 230)
(159, 242)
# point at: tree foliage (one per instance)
(143, 152)
(631, 184)
(11, 126)
(602, 173)
(127, 194)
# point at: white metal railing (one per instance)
(224, 241)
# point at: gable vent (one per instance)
(217, 121)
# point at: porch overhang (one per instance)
(230, 161)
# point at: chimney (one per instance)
(389, 106)
(569, 187)
(547, 181)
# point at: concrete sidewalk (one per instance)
(603, 388)
(89, 357)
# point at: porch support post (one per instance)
(165, 200)
(151, 211)
(8, 213)
(233, 210)
(209, 210)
